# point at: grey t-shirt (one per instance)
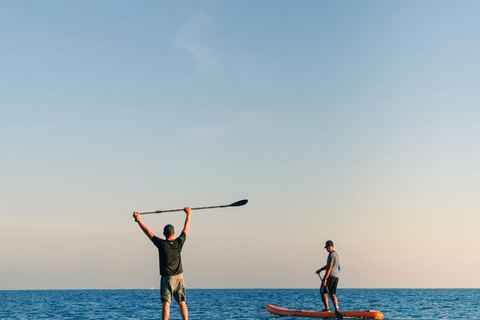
(333, 257)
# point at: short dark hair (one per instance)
(168, 230)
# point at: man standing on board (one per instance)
(171, 271)
(330, 280)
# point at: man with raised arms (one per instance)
(330, 280)
(170, 258)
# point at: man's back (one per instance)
(169, 253)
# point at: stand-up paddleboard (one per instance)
(372, 314)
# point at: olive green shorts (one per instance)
(172, 286)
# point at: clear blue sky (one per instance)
(355, 121)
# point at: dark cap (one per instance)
(329, 243)
(168, 230)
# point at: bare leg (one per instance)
(334, 300)
(183, 309)
(166, 310)
(325, 301)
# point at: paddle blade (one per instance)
(338, 315)
(239, 203)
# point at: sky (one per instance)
(351, 121)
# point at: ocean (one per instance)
(236, 303)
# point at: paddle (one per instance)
(235, 204)
(338, 315)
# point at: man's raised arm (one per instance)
(188, 211)
(147, 231)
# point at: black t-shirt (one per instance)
(169, 254)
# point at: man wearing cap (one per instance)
(171, 271)
(330, 280)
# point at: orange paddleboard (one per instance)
(371, 314)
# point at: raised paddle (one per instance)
(235, 204)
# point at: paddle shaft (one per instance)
(321, 284)
(235, 204)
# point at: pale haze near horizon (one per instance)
(355, 121)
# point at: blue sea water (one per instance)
(236, 303)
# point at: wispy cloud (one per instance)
(192, 37)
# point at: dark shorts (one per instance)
(331, 287)
(172, 286)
